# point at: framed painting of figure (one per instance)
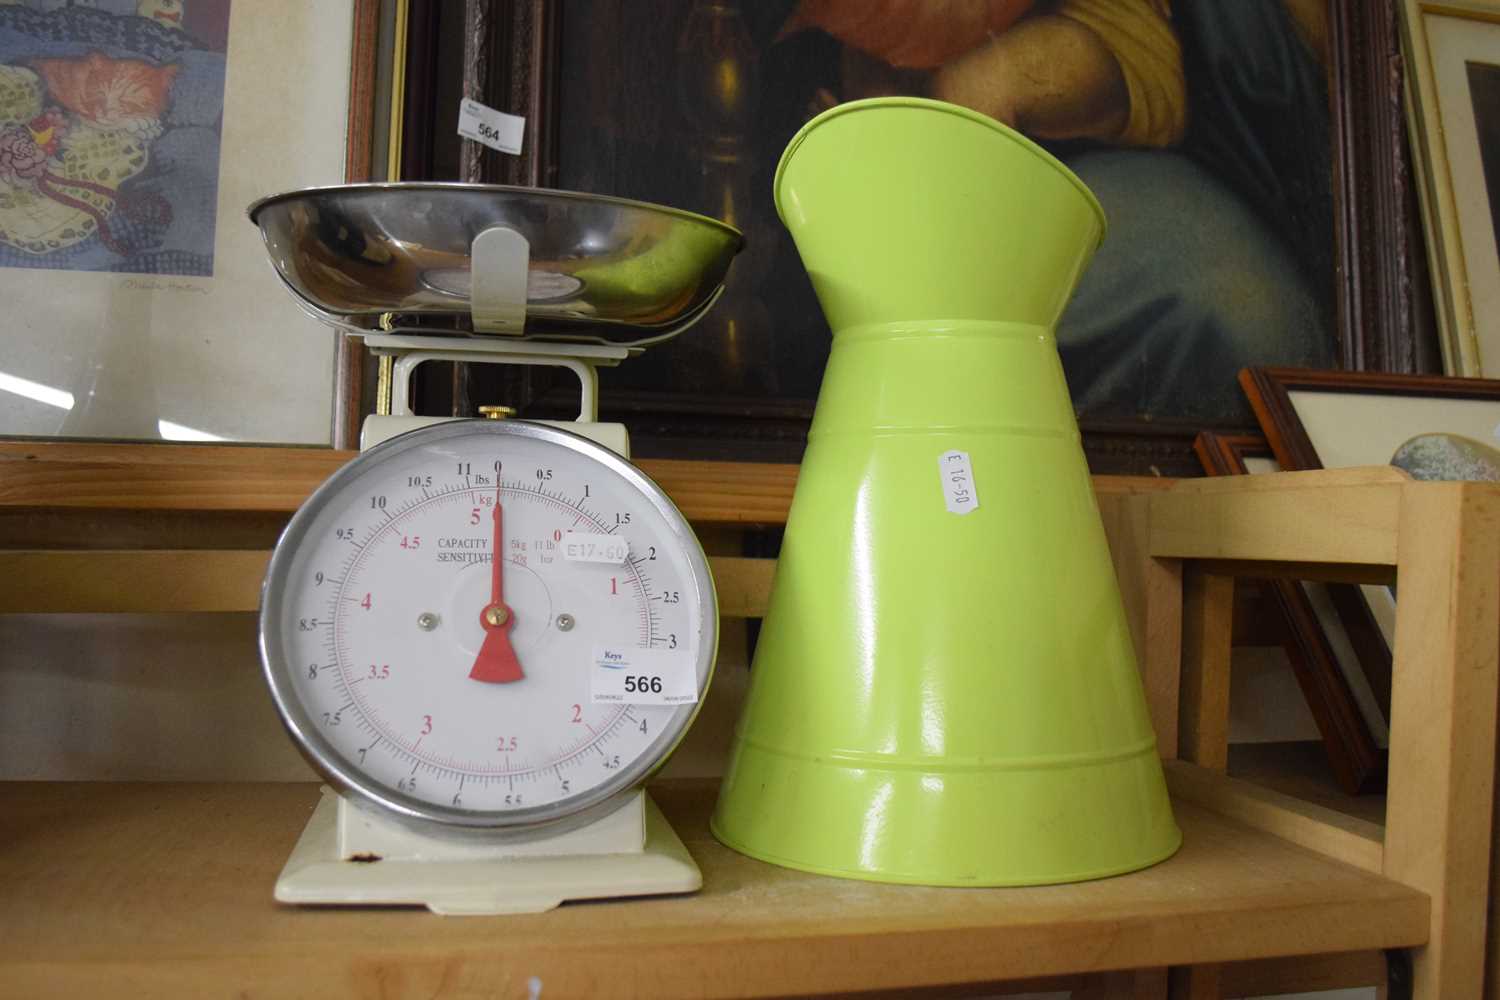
(1248, 156)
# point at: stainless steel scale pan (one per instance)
(372, 258)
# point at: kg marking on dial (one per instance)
(430, 645)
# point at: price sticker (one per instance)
(959, 492)
(491, 128)
(579, 547)
(642, 676)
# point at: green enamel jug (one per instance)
(944, 690)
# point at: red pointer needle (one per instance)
(496, 662)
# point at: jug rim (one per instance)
(871, 103)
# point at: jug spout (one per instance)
(910, 209)
(944, 689)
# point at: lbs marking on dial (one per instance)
(438, 643)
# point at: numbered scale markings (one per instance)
(449, 622)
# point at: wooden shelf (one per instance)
(196, 479)
(160, 889)
(1300, 769)
(71, 475)
(155, 889)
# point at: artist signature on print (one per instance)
(174, 287)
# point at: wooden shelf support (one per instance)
(1207, 627)
(1443, 540)
(1443, 698)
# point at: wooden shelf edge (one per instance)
(165, 889)
(168, 581)
(183, 478)
(1342, 837)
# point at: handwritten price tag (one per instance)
(492, 128)
(959, 493)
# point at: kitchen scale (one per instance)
(486, 635)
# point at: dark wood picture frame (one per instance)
(1357, 760)
(1269, 391)
(511, 60)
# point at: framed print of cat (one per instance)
(133, 134)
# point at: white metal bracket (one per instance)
(499, 269)
(581, 359)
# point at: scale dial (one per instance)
(420, 681)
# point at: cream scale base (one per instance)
(348, 857)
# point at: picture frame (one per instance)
(1331, 420)
(515, 54)
(1322, 419)
(1335, 684)
(219, 352)
(1452, 96)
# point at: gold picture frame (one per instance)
(1452, 55)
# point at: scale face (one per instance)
(488, 629)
